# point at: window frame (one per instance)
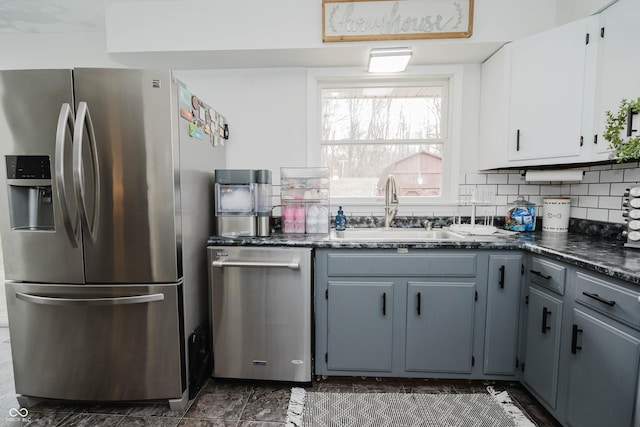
(318, 79)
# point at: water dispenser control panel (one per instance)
(28, 167)
(30, 193)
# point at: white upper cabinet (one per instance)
(532, 98)
(544, 97)
(618, 67)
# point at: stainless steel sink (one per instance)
(396, 234)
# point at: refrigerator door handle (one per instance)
(83, 121)
(65, 124)
(137, 299)
(294, 264)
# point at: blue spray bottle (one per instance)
(341, 220)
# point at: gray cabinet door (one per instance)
(440, 326)
(360, 325)
(503, 295)
(542, 353)
(603, 374)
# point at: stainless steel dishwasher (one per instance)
(260, 302)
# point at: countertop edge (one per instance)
(604, 257)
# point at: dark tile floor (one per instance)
(226, 404)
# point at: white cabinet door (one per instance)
(618, 74)
(494, 110)
(547, 94)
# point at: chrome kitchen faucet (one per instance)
(390, 201)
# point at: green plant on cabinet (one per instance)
(616, 123)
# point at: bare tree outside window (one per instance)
(371, 132)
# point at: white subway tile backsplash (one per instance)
(599, 189)
(536, 199)
(619, 188)
(616, 217)
(624, 165)
(632, 175)
(516, 178)
(508, 189)
(579, 189)
(529, 190)
(496, 178)
(613, 175)
(552, 190)
(580, 213)
(598, 197)
(610, 202)
(588, 201)
(591, 177)
(501, 200)
(597, 214)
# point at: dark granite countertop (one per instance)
(604, 256)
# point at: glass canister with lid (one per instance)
(521, 215)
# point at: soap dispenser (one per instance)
(341, 220)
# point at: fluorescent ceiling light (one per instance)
(389, 60)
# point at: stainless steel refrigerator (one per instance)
(106, 195)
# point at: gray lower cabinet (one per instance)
(417, 313)
(603, 373)
(604, 355)
(582, 344)
(542, 347)
(360, 320)
(503, 311)
(440, 320)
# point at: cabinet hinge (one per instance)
(602, 32)
(326, 294)
(587, 39)
(522, 269)
(473, 361)
(476, 296)
(581, 140)
(522, 367)
(526, 300)
(595, 138)
(326, 358)
(517, 363)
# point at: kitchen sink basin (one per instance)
(396, 234)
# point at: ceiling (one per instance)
(68, 16)
(51, 16)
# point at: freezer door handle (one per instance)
(65, 124)
(136, 299)
(83, 121)
(293, 264)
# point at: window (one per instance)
(370, 130)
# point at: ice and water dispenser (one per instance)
(243, 202)
(29, 191)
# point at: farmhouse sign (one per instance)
(362, 20)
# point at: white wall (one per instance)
(570, 10)
(54, 50)
(266, 107)
(266, 110)
(202, 25)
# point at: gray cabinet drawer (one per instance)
(613, 300)
(394, 264)
(548, 274)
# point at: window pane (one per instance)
(382, 113)
(360, 170)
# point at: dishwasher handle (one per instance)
(293, 264)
